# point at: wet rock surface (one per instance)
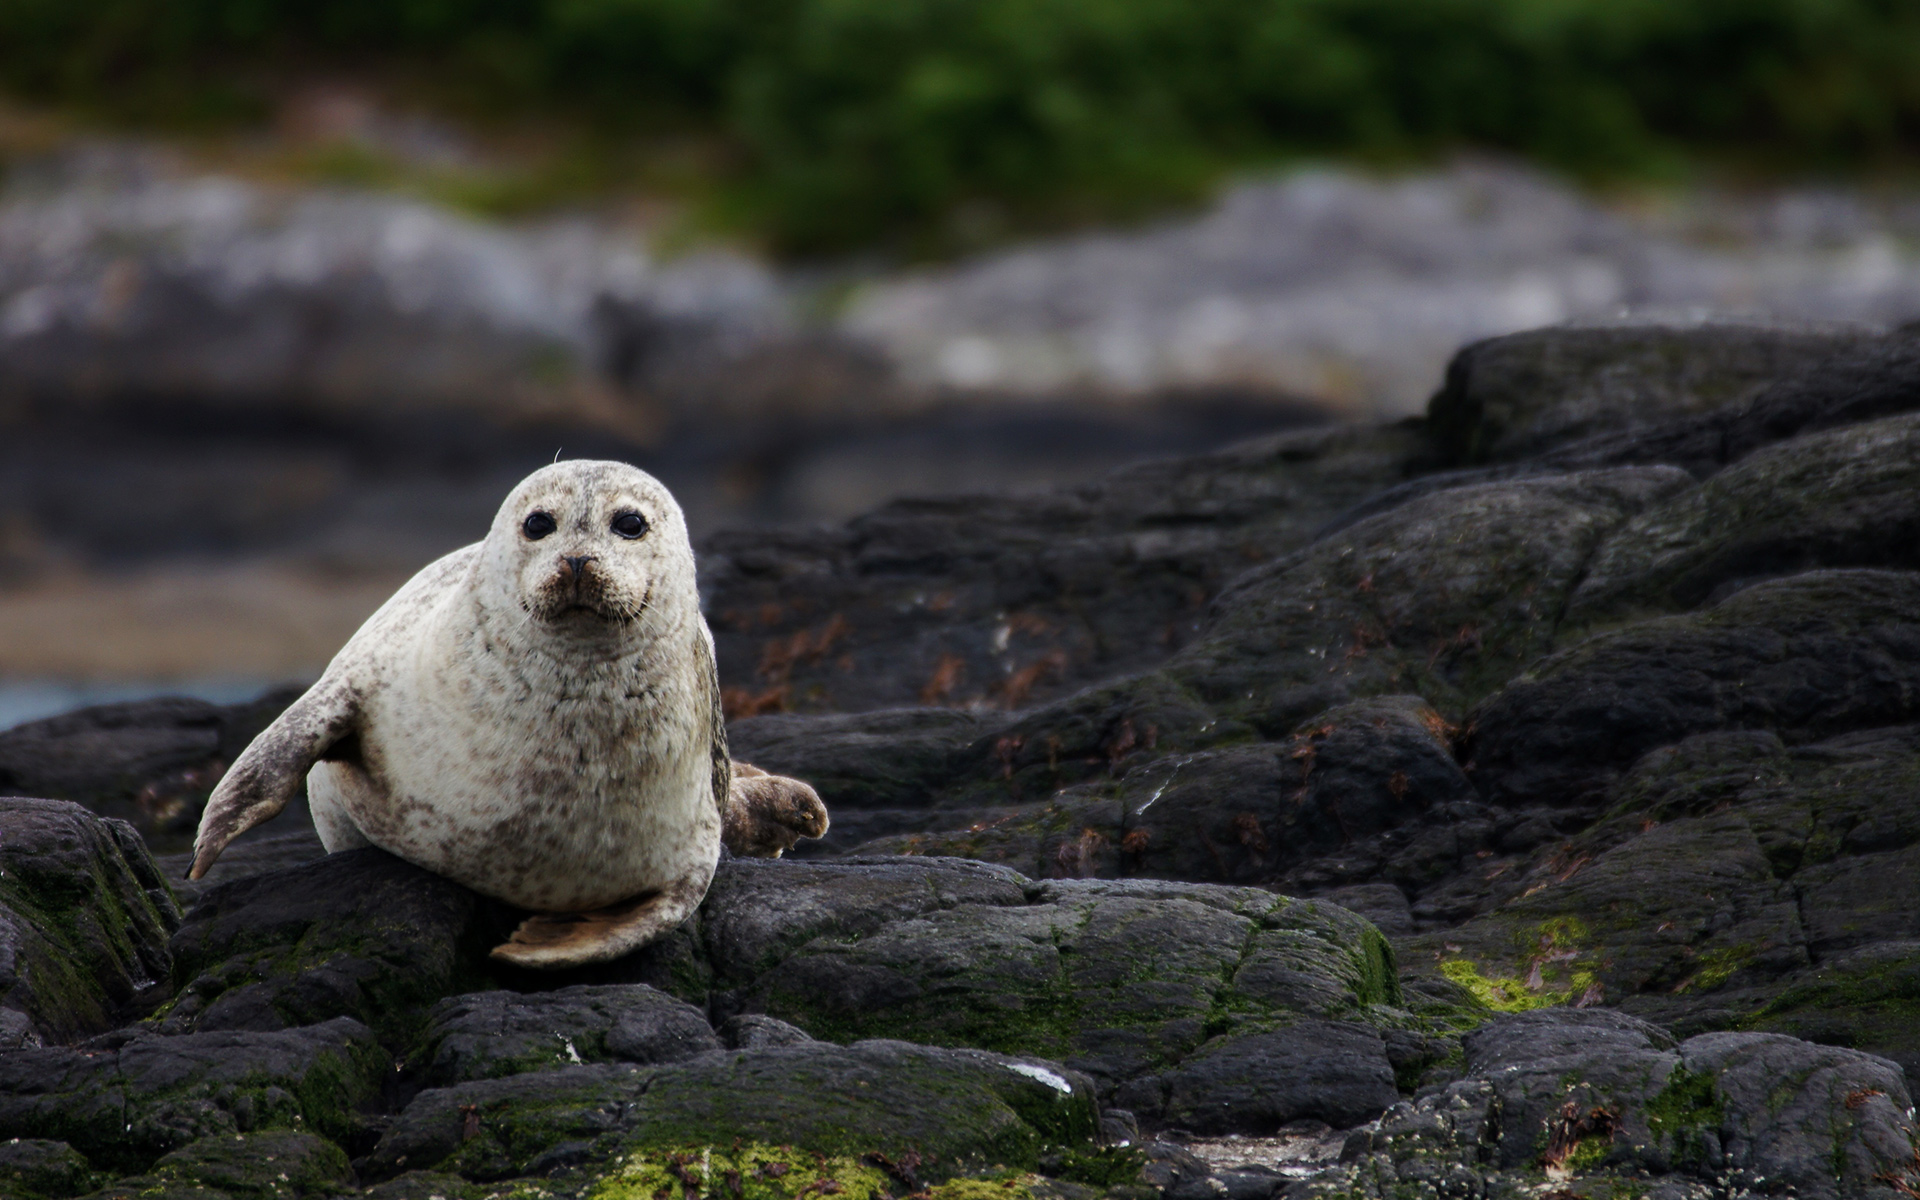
(1521, 802)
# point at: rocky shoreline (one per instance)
(1517, 801)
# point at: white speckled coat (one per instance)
(536, 716)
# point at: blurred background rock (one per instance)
(291, 294)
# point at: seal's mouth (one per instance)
(571, 598)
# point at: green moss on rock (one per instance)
(1685, 1112)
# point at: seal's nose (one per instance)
(577, 563)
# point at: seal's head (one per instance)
(590, 547)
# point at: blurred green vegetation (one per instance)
(846, 122)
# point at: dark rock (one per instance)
(1016, 600)
(1177, 1172)
(1603, 1101)
(1875, 379)
(1843, 498)
(246, 856)
(358, 934)
(872, 760)
(756, 1031)
(490, 1034)
(759, 911)
(17, 1031)
(1383, 904)
(127, 1104)
(1119, 980)
(1514, 397)
(1866, 998)
(1520, 1039)
(1450, 594)
(31, 1169)
(1254, 813)
(1248, 1185)
(1254, 1081)
(420, 1185)
(959, 1109)
(84, 920)
(1804, 657)
(1822, 1121)
(150, 763)
(1879, 377)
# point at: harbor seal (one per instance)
(536, 716)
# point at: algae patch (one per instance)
(745, 1171)
(1555, 973)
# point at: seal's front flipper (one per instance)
(551, 941)
(269, 771)
(766, 814)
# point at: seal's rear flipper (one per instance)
(551, 941)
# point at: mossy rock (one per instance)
(1732, 881)
(278, 1165)
(124, 1108)
(37, 1169)
(759, 911)
(1558, 1096)
(956, 1110)
(487, 1035)
(1868, 999)
(1121, 979)
(84, 918)
(1685, 907)
(359, 934)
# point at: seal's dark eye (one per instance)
(538, 526)
(629, 524)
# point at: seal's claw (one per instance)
(766, 814)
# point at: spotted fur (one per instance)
(547, 734)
